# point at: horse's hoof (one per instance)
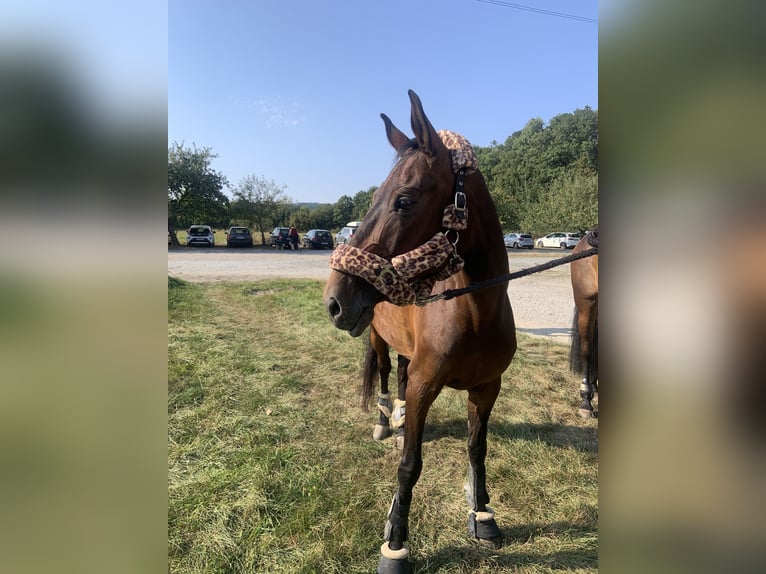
(394, 561)
(493, 543)
(400, 441)
(381, 432)
(483, 528)
(586, 414)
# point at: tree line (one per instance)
(542, 178)
(195, 196)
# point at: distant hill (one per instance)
(309, 206)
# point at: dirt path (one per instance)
(542, 303)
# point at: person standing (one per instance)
(294, 238)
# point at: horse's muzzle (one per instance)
(350, 302)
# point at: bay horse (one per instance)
(583, 353)
(432, 225)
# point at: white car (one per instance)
(200, 235)
(559, 239)
(516, 240)
(345, 234)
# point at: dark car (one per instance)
(279, 238)
(239, 236)
(318, 239)
(200, 235)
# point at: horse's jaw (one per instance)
(350, 302)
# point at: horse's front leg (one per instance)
(394, 555)
(481, 519)
(399, 406)
(382, 428)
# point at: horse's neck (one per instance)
(485, 255)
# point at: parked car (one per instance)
(317, 239)
(559, 239)
(345, 234)
(517, 240)
(279, 238)
(239, 236)
(200, 235)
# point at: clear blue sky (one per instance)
(291, 90)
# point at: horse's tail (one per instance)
(576, 364)
(594, 350)
(369, 376)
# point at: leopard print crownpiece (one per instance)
(463, 156)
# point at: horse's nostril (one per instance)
(333, 307)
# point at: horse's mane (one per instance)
(592, 237)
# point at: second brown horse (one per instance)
(583, 354)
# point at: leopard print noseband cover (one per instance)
(398, 279)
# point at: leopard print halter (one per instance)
(398, 279)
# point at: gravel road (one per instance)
(542, 303)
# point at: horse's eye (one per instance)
(404, 204)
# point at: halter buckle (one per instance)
(460, 203)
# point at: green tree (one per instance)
(362, 201)
(507, 206)
(343, 211)
(569, 203)
(521, 171)
(260, 202)
(301, 218)
(195, 190)
(322, 217)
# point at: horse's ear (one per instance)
(428, 140)
(395, 137)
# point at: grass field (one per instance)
(272, 467)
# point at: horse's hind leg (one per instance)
(481, 519)
(588, 350)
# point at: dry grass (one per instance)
(272, 467)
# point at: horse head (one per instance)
(404, 243)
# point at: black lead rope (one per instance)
(452, 293)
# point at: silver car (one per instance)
(517, 240)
